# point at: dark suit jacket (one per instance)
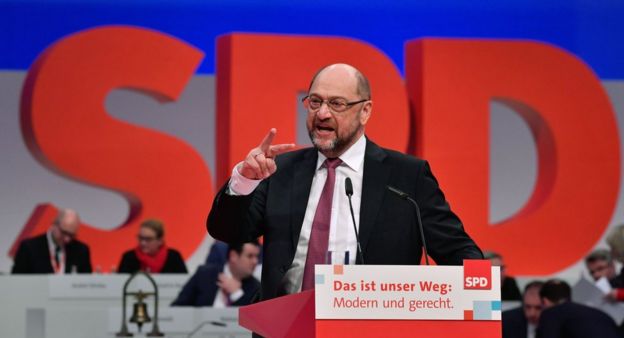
(514, 323)
(388, 227)
(173, 264)
(33, 256)
(572, 320)
(618, 281)
(201, 289)
(510, 290)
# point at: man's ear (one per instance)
(366, 112)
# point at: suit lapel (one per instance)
(374, 182)
(300, 191)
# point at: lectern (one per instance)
(386, 301)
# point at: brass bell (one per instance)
(140, 315)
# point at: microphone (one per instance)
(348, 188)
(349, 192)
(405, 196)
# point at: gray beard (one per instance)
(332, 145)
(337, 146)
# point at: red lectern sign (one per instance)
(386, 301)
(404, 301)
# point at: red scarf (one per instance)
(154, 263)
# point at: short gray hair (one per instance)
(599, 255)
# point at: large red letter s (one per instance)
(68, 130)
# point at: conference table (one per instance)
(51, 306)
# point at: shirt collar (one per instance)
(226, 270)
(353, 157)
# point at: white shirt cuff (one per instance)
(240, 185)
(236, 295)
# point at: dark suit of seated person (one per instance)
(232, 284)
(218, 254)
(151, 254)
(522, 322)
(562, 318)
(57, 251)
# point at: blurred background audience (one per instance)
(522, 322)
(562, 318)
(56, 251)
(599, 264)
(151, 254)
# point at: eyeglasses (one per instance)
(336, 104)
(145, 238)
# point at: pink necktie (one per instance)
(319, 235)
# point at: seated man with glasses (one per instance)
(297, 200)
(509, 287)
(151, 254)
(57, 251)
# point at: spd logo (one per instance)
(477, 274)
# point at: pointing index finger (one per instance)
(280, 148)
(268, 139)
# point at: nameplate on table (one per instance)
(98, 286)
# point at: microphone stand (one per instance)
(405, 196)
(349, 192)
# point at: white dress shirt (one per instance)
(341, 236)
(531, 330)
(57, 267)
(221, 299)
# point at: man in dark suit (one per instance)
(522, 322)
(509, 287)
(562, 318)
(57, 251)
(297, 200)
(232, 284)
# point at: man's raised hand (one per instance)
(260, 162)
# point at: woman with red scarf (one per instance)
(152, 255)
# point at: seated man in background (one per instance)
(562, 318)
(509, 287)
(522, 322)
(232, 284)
(600, 264)
(57, 251)
(151, 254)
(218, 256)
